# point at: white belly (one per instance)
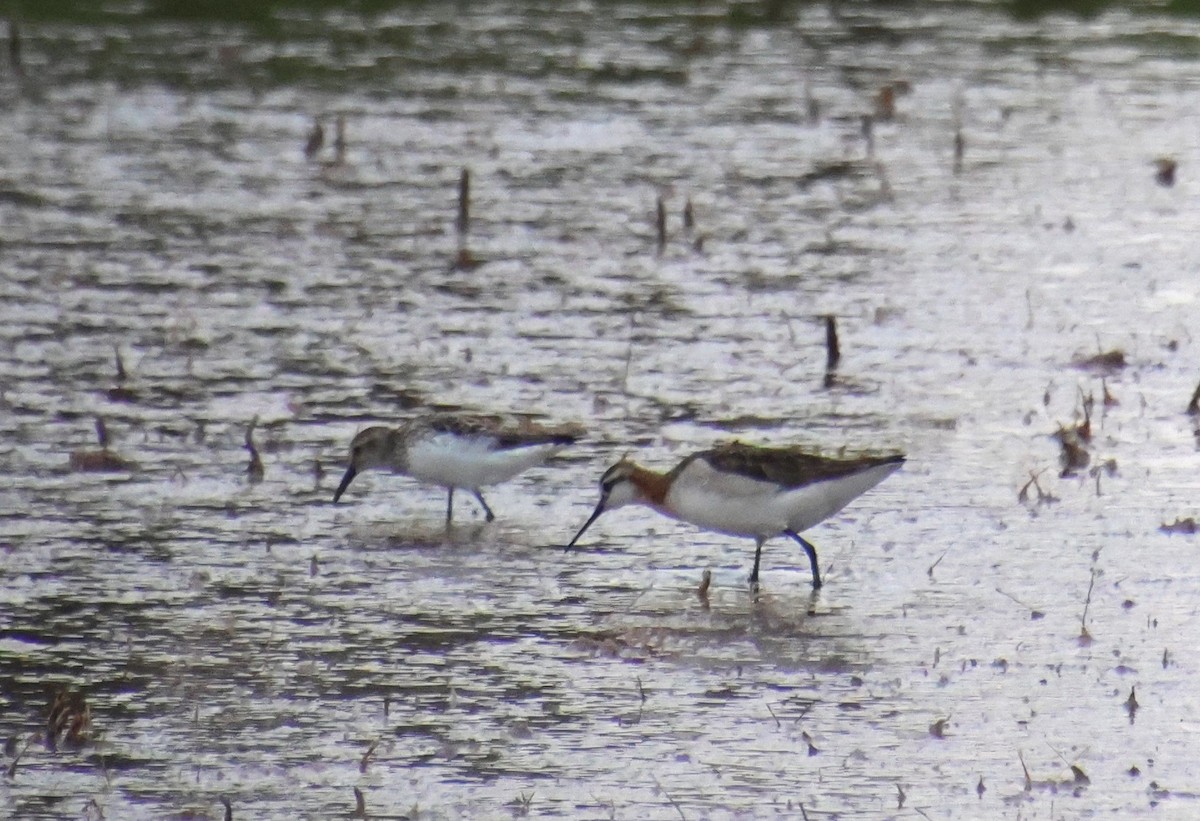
(739, 506)
(471, 462)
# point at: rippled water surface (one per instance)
(974, 653)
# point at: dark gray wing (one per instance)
(508, 432)
(787, 467)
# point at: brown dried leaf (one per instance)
(1186, 526)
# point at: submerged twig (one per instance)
(1131, 704)
(1193, 407)
(463, 223)
(11, 770)
(1043, 498)
(929, 572)
(120, 393)
(14, 47)
(702, 590)
(778, 724)
(1084, 636)
(255, 469)
(121, 375)
(833, 351)
(673, 802)
(339, 141)
(366, 759)
(660, 222)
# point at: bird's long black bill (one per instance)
(595, 515)
(346, 480)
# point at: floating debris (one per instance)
(464, 260)
(885, 103)
(360, 804)
(228, 808)
(959, 150)
(1109, 361)
(689, 216)
(1186, 526)
(838, 169)
(980, 789)
(1193, 407)
(315, 141)
(520, 805)
(938, 728)
(702, 590)
(812, 748)
(69, 720)
(1164, 171)
(1074, 455)
(99, 461)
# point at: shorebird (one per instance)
(468, 452)
(742, 490)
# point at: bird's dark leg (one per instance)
(449, 504)
(812, 556)
(757, 558)
(487, 510)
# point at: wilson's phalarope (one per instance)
(468, 452)
(743, 490)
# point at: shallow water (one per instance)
(256, 642)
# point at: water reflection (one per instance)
(249, 640)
